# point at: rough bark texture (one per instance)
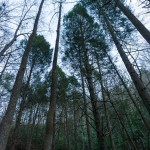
(17, 126)
(22, 106)
(134, 76)
(50, 116)
(139, 26)
(6, 122)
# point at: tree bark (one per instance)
(67, 129)
(88, 70)
(22, 106)
(130, 95)
(86, 114)
(100, 135)
(7, 46)
(7, 120)
(134, 76)
(104, 103)
(1, 75)
(30, 133)
(50, 116)
(139, 26)
(121, 123)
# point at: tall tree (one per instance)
(49, 132)
(6, 123)
(39, 59)
(82, 36)
(139, 26)
(137, 81)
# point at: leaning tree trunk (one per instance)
(121, 122)
(21, 109)
(50, 116)
(133, 74)
(139, 26)
(5, 66)
(104, 102)
(7, 46)
(7, 120)
(130, 95)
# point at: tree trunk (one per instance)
(54, 134)
(67, 129)
(7, 46)
(7, 120)
(122, 124)
(134, 76)
(75, 126)
(22, 106)
(30, 134)
(100, 135)
(86, 114)
(88, 70)
(139, 26)
(1, 75)
(17, 126)
(28, 128)
(50, 116)
(104, 103)
(130, 95)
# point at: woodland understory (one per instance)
(90, 91)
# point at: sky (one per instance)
(135, 6)
(48, 21)
(49, 29)
(66, 7)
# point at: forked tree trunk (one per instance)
(134, 76)
(7, 120)
(50, 116)
(139, 26)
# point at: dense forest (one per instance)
(90, 91)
